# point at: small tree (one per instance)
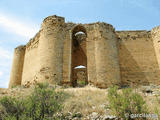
(42, 104)
(126, 103)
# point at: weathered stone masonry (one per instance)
(110, 57)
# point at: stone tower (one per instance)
(108, 57)
(17, 66)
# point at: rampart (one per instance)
(109, 57)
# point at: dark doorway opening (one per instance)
(79, 58)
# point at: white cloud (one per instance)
(1, 73)
(5, 54)
(4, 83)
(16, 26)
(5, 66)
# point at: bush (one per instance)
(157, 108)
(126, 103)
(81, 83)
(13, 107)
(157, 112)
(43, 104)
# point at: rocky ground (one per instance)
(90, 103)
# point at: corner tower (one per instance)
(17, 66)
(51, 49)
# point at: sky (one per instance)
(21, 19)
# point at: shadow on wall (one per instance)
(131, 73)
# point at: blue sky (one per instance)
(21, 19)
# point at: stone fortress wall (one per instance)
(138, 61)
(110, 57)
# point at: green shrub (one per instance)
(157, 112)
(13, 106)
(157, 108)
(81, 83)
(9, 117)
(125, 103)
(43, 104)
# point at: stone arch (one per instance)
(78, 51)
(79, 28)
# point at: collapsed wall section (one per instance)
(138, 62)
(78, 51)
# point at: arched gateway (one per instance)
(79, 56)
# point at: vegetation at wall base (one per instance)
(43, 104)
(50, 102)
(125, 103)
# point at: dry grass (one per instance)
(90, 99)
(153, 103)
(19, 92)
(86, 100)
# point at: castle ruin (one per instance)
(109, 57)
